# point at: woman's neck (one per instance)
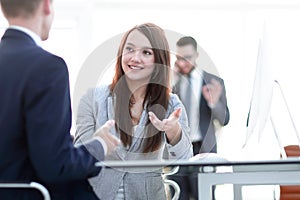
(139, 94)
(138, 90)
(137, 102)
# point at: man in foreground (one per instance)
(35, 117)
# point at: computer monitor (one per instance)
(262, 91)
(262, 94)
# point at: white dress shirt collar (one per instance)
(33, 35)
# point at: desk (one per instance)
(261, 172)
(283, 172)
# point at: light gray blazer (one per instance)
(95, 108)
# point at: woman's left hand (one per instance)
(171, 125)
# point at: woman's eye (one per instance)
(129, 49)
(147, 52)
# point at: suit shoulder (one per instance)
(46, 69)
(208, 76)
(174, 100)
(99, 93)
(45, 62)
(50, 58)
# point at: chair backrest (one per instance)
(292, 150)
(170, 183)
(291, 192)
(31, 185)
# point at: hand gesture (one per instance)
(171, 125)
(110, 140)
(212, 92)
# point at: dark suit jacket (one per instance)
(35, 122)
(207, 115)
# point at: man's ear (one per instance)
(47, 6)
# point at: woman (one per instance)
(148, 118)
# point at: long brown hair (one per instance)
(157, 91)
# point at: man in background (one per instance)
(204, 97)
(35, 117)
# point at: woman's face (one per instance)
(137, 57)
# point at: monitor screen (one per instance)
(261, 93)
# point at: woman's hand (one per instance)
(171, 125)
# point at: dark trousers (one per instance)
(188, 182)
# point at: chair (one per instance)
(31, 185)
(167, 171)
(290, 192)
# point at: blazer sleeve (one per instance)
(85, 119)
(183, 149)
(47, 118)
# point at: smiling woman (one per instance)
(150, 121)
(137, 59)
(138, 65)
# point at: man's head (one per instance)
(186, 54)
(36, 15)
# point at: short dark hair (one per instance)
(186, 41)
(16, 8)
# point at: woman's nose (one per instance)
(136, 56)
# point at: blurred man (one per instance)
(204, 97)
(35, 115)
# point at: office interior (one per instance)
(230, 33)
